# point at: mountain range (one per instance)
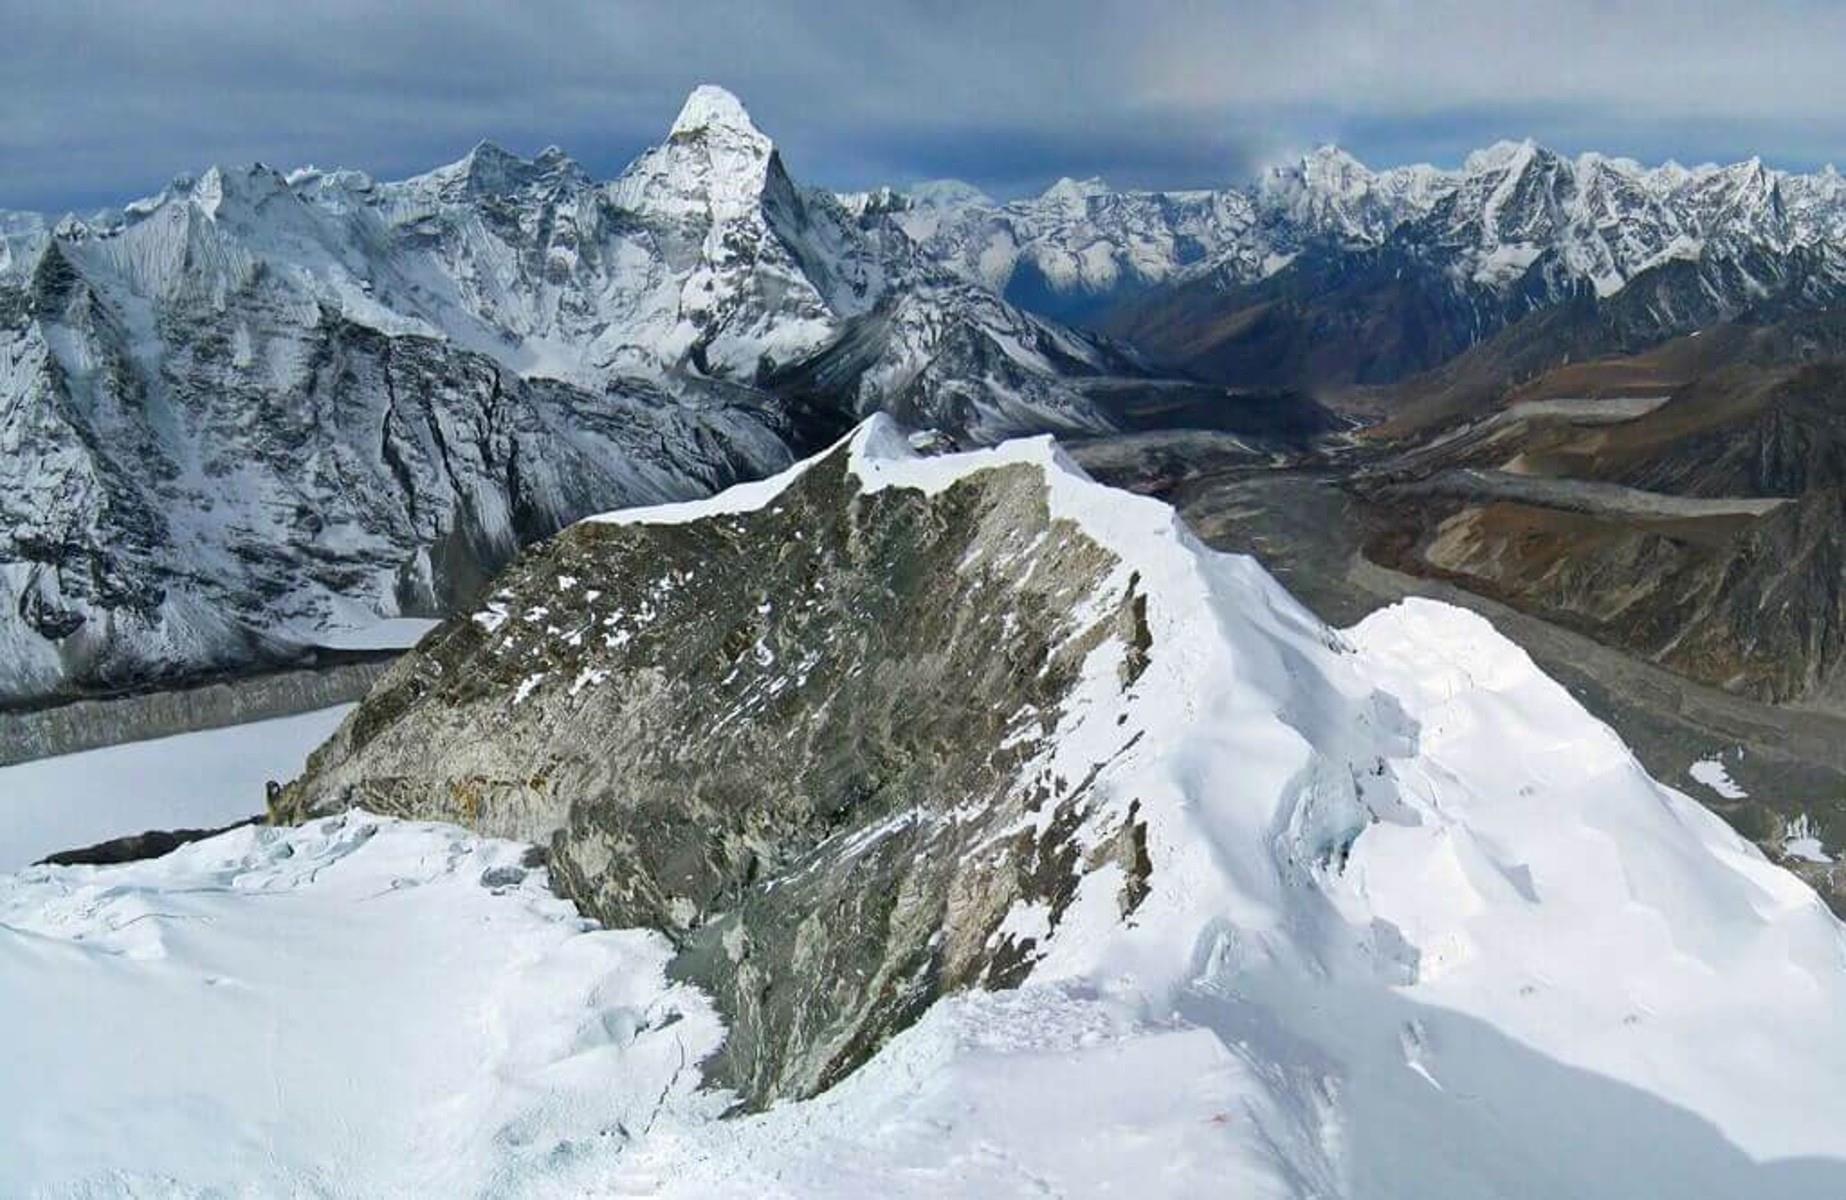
(259, 408)
(800, 795)
(1259, 284)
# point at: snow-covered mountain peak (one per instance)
(489, 170)
(1334, 165)
(1074, 193)
(70, 227)
(948, 193)
(1590, 166)
(1329, 193)
(715, 162)
(488, 165)
(710, 108)
(1500, 156)
(249, 187)
(217, 189)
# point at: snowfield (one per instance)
(352, 1008)
(1418, 926)
(202, 780)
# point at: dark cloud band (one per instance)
(104, 101)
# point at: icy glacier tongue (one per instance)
(207, 779)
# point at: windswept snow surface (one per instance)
(1419, 926)
(351, 1008)
(200, 780)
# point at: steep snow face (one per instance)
(775, 267)
(1403, 920)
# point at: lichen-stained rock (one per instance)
(813, 742)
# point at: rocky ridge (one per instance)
(974, 722)
(805, 710)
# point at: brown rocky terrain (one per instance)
(1683, 503)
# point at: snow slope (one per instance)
(344, 1009)
(1418, 926)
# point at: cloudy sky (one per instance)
(104, 101)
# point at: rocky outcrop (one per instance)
(811, 741)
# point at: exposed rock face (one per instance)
(810, 741)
